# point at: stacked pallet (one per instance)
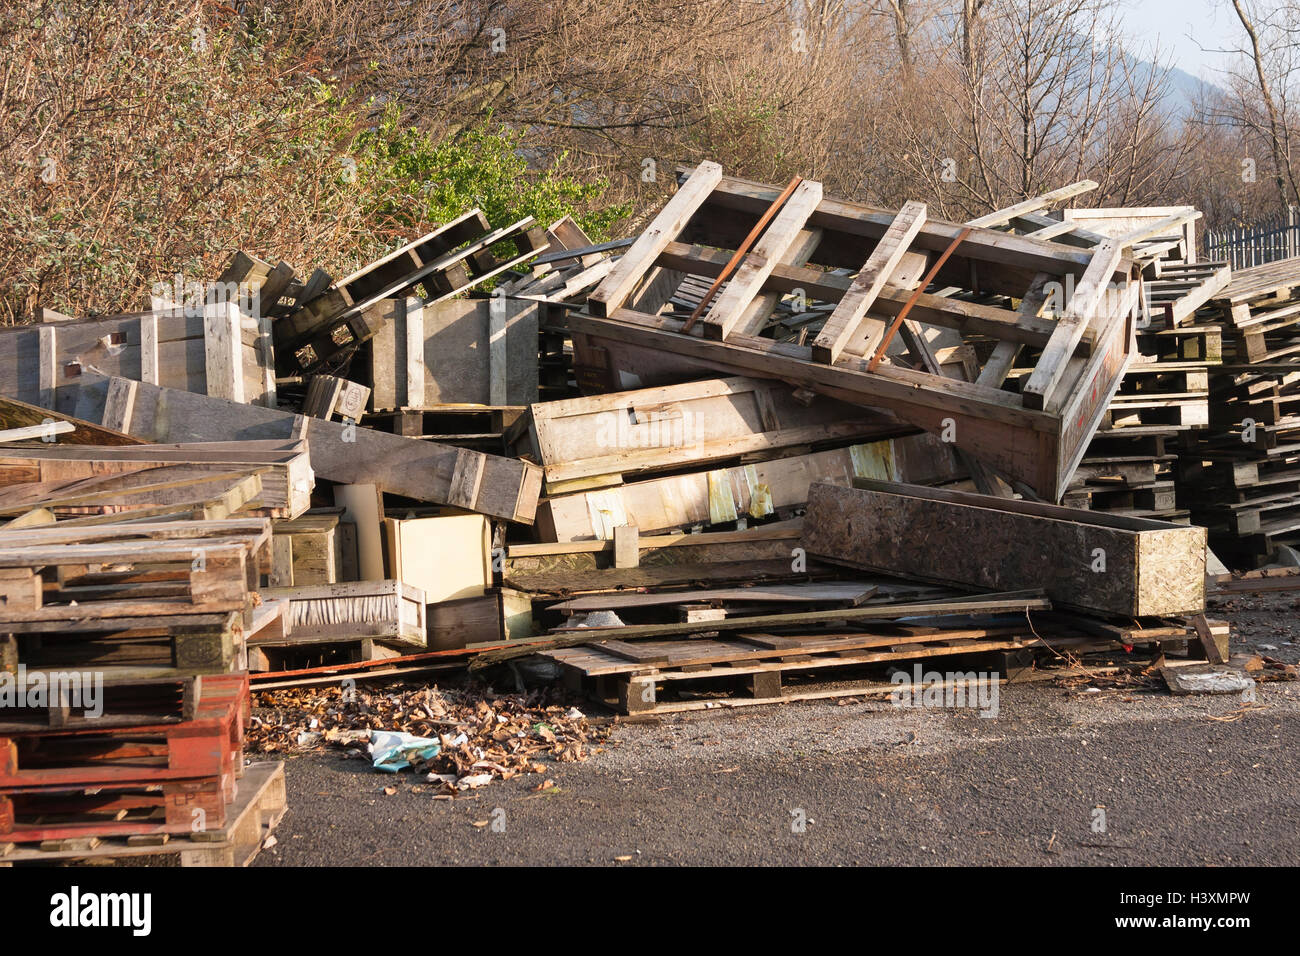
(124, 644)
(1240, 477)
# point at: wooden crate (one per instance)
(386, 611)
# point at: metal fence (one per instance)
(1247, 246)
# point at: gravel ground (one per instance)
(1061, 776)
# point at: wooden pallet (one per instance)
(647, 677)
(450, 260)
(1036, 436)
(206, 746)
(259, 805)
(126, 702)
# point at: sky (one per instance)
(1191, 33)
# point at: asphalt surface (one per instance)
(1069, 776)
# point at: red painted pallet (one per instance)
(39, 814)
(208, 746)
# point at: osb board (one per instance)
(1083, 559)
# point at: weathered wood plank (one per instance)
(343, 453)
(614, 290)
(868, 283)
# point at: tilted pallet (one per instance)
(340, 452)
(607, 439)
(1036, 437)
(453, 258)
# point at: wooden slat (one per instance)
(774, 244)
(1079, 312)
(868, 283)
(614, 290)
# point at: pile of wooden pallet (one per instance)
(1240, 477)
(651, 465)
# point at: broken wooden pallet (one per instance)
(1036, 437)
(340, 452)
(89, 479)
(721, 495)
(217, 349)
(605, 440)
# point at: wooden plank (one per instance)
(119, 407)
(748, 279)
(348, 455)
(831, 592)
(47, 432)
(413, 316)
(1100, 563)
(16, 414)
(614, 290)
(498, 357)
(386, 610)
(1002, 216)
(1079, 311)
(761, 308)
(149, 349)
(223, 345)
(48, 368)
(627, 548)
(868, 283)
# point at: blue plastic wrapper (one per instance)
(392, 751)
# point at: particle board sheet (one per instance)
(447, 558)
(1106, 564)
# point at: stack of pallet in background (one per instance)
(1240, 478)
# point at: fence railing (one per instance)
(1246, 246)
